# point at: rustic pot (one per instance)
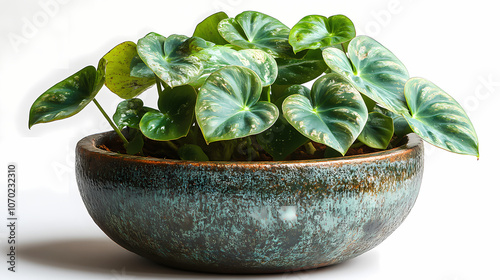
(248, 217)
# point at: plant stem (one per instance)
(125, 141)
(158, 84)
(172, 145)
(158, 87)
(249, 148)
(310, 148)
(269, 94)
(343, 48)
(228, 149)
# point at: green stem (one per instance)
(228, 149)
(172, 145)
(249, 148)
(158, 84)
(310, 148)
(158, 87)
(125, 141)
(343, 48)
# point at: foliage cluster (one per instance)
(240, 81)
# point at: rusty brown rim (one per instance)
(88, 145)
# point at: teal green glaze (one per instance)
(248, 217)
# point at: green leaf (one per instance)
(281, 139)
(314, 32)
(117, 78)
(136, 144)
(401, 126)
(171, 58)
(439, 119)
(277, 91)
(254, 30)
(208, 29)
(331, 153)
(129, 113)
(259, 61)
(378, 131)
(175, 117)
(334, 116)
(299, 71)
(377, 73)
(228, 105)
(192, 152)
(370, 104)
(294, 89)
(67, 97)
(139, 69)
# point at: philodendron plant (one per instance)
(236, 87)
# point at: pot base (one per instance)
(248, 217)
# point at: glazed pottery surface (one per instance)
(248, 217)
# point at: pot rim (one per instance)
(88, 145)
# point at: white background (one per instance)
(451, 234)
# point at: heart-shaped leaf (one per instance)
(377, 72)
(314, 32)
(171, 58)
(334, 116)
(228, 105)
(254, 30)
(117, 78)
(67, 97)
(129, 113)
(175, 117)
(208, 29)
(439, 119)
(378, 131)
(299, 71)
(259, 61)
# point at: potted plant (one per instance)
(242, 168)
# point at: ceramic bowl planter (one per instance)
(248, 217)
